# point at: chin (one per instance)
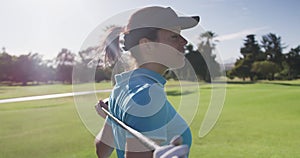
(178, 64)
(181, 51)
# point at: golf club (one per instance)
(143, 139)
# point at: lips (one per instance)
(181, 50)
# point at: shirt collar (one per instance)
(150, 74)
(125, 76)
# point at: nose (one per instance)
(183, 41)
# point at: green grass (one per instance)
(258, 120)
(48, 128)
(33, 90)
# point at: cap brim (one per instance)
(188, 22)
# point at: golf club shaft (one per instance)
(143, 139)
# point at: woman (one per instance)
(153, 38)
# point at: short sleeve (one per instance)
(147, 112)
(154, 127)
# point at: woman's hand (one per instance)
(102, 103)
(175, 149)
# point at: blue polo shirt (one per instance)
(138, 99)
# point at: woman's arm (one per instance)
(135, 149)
(104, 142)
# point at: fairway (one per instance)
(258, 120)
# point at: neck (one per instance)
(158, 68)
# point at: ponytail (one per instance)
(111, 46)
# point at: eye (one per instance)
(175, 36)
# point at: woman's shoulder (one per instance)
(148, 94)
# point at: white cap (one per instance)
(160, 17)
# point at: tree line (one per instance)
(266, 60)
(31, 68)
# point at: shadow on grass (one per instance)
(178, 93)
(284, 84)
(240, 82)
(274, 83)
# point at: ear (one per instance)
(144, 42)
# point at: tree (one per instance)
(92, 62)
(65, 61)
(89, 60)
(198, 63)
(266, 69)
(35, 67)
(251, 52)
(46, 71)
(199, 67)
(271, 43)
(206, 47)
(89, 54)
(252, 49)
(208, 38)
(6, 66)
(291, 67)
(25, 68)
(241, 69)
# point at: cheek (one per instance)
(172, 57)
(174, 45)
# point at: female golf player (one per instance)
(152, 36)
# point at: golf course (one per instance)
(258, 120)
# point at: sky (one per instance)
(47, 26)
